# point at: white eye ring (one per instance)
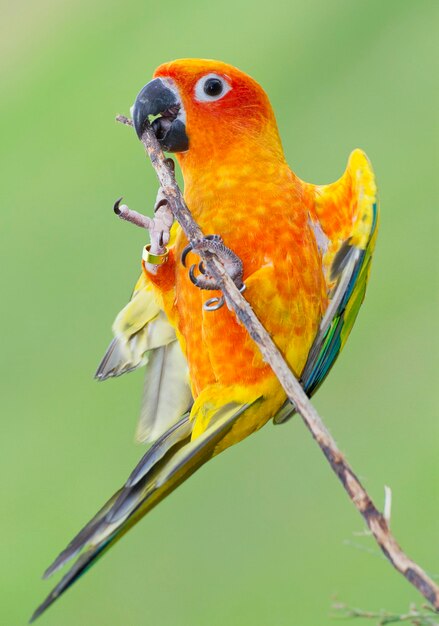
(201, 88)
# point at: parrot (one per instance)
(301, 251)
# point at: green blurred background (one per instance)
(264, 535)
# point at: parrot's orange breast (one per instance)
(261, 217)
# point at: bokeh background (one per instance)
(264, 535)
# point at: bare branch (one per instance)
(124, 120)
(245, 314)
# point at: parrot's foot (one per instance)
(161, 224)
(214, 244)
(232, 264)
(159, 227)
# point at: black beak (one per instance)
(156, 98)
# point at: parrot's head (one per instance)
(206, 109)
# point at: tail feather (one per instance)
(83, 563)
(140, 494)
(82, 538)
(177, 433)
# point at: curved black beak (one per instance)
(157, 98)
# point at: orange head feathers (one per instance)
(209, 109)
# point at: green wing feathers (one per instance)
(345, 217)
(350, 254)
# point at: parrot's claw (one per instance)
(190, 247)
(204, 281)
(185, 253)
(232, 264)
(213, 304)
(214, 244)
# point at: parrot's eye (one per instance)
(211, 87)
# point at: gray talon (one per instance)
(192, 276)
(232, 264)
(117, 205)
(202, 282)
(185, 253)
(213, 304)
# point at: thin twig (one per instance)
(245, 314)
(414, 616)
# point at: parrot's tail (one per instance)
(172, 459)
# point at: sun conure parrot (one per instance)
(306, 253)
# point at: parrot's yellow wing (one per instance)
(143, 336)
(345, 215)
(139, 327)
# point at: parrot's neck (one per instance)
(221, 179)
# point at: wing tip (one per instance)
(358, 156)
(112, 364)
(103, 371)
